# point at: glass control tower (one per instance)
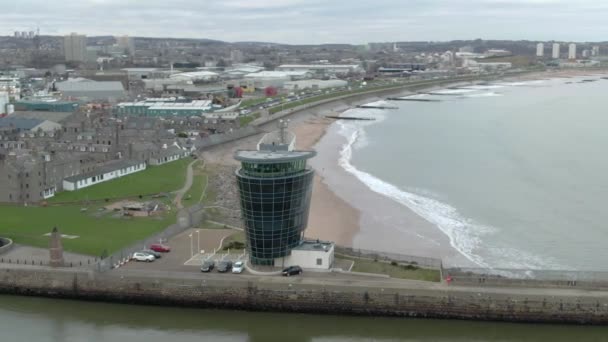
(275, 187)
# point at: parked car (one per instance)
(157, 255)
(292, 270)
(224, 266)
(238, 267)
(139, 256)
(158, 247)
(207, 266)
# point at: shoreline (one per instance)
(401, 230)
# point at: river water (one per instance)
(515, 174)
(28, 319)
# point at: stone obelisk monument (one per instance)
(56, 249)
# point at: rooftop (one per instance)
(314, 245)
(43, 115)
(90, 86)
(23, 124)
(272, 157)
(105, 168)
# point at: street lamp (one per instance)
(198, 241)
(191, 247)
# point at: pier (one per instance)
(377, 107)
(414, 99)
(348, 118)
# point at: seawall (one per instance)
(372, 297)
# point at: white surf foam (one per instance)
(454, 91)
(464, 234)
(488, 94)
(484, 87)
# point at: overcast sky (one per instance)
(314, 21)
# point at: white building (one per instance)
(310, 255)
(447, 57)
(540, 49)
(196, 76)
(586, 53)
(555, 53)
(595, 51)
(340, 69)
(236, 56)
(109, 171)
(75, 47)
(127, 44)
(315, 84)
(168, 155)
(572, 51)
(4, 101)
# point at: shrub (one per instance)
(393, 263)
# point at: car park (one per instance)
(224, 266)
(207, 266)
(238, 267)
(292, 270)
(158, 247)
(139, 256)
(157, 255)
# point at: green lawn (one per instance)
(245, 120)
(155, 179)
(96, 231)
(394, 271)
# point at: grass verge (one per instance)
(155, 179)
(96, 231)
(393, 270)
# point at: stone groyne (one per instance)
(371, 297)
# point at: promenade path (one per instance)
(181, 192)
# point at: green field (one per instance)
(394, 271)
(155, 179)
(97, 231)
(245, 120)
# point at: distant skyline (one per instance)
(315, 21)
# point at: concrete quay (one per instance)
(329, 294)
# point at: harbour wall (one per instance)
(309, 295)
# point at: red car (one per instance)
(157, 247)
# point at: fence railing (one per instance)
(426, 262)
(522, 277)
(186, 219)
(41, 262)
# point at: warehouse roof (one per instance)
(90, 86)
(23, 124)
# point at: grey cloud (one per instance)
(315, 21)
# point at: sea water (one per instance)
(515, 174)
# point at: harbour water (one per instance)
(26, 319)
(514, 174)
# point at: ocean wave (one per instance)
(521, 83)
(484, 87)
(464, 234)
(488, 94)
(455, 91)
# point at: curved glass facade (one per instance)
(275, 201)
